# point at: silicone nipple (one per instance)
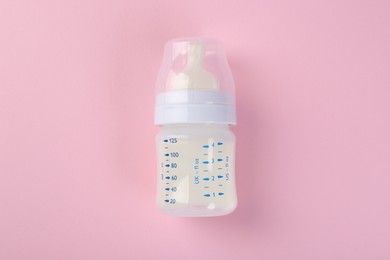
(194, 76)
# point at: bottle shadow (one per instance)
(252, 177)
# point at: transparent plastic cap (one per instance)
(195, 84)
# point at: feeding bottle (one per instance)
(195, 105)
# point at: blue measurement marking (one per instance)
(167, 189)
(219, 160)
(167, 154)
(206, 187)
(220, 193)
(220, 168)
(206, 154)
(166, 200)
(205, 170)
(220, 185)
(205, 146)
(166, 165)
(220, 176)
(206, 179)
(206, 195)
(220, 143)
(166, 141)
(206, 162)
(167, 177)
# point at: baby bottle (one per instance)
(195, 105)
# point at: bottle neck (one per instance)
(195, 107)
(194, 126)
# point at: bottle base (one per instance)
(197, 211)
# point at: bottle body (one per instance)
(195, 171)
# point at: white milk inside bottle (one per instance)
(195, 106)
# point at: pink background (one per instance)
(77, 156)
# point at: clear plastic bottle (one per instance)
(195, 105)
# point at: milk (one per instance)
(196, 170)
